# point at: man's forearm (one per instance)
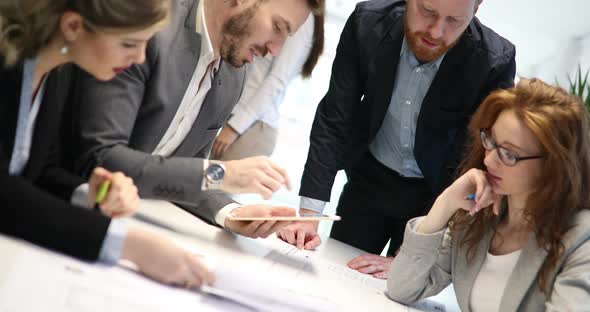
(176, 179)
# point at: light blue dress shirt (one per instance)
(393, 145)
(112, 246)
(27, 115)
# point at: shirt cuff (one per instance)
(225, 212)
(312, 204)
(241, 121)
(112, 246)
(80, 196)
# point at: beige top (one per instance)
(426, 264)
(491, 282)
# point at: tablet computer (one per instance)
(302, 217)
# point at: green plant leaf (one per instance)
(579, 85)
(579, 77)
(582, 83)
(572, 85)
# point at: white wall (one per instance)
(551, 37)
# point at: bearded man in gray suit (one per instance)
(156, 121)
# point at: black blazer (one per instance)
(35, 205)
(363, 74)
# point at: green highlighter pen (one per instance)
(102, 193)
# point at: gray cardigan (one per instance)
(426, 264)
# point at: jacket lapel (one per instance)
(181, 62)
(190, 27)
(470, 270)
(189, 49)
(382, 73)
(524, 275)
(45, 133)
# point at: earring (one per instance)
(64, 49)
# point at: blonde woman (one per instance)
(103, 37)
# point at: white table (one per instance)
(320, 275)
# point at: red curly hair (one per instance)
(559, 121)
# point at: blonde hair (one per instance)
(28, 25)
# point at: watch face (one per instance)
(215, 173)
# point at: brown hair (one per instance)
(318, 8)
(28, 25)
(560, 122)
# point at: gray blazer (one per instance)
(426, 264)
(122, 121)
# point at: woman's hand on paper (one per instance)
(376, 265)
(164, 261)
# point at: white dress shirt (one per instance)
(195, 94)
(491, 282)
(267, 80)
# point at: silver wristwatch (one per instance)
(214, 174)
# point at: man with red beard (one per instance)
(406, 78)
(156, 121)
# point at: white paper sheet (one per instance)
(40, 280)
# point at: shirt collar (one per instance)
(206, 45)
(412, 58)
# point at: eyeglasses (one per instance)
(506, 156)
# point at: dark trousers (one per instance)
(375, 205)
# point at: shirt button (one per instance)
(406, 145)
(419, 70)
(408, 102)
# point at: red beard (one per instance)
(423, 53)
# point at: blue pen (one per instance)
(470, 197)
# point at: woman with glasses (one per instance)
(513, 231)
(103, 37)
